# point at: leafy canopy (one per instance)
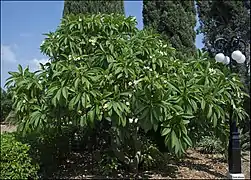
(102, 68)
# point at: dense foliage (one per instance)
(15, 160)
(92, 7)
(174, 20)
(6, 104)
(102, 69)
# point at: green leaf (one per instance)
(65, 93)
(123, 121)
(209, 114)
(91, 115)
(177, 147)
(188, 116)
(214, 120)
(58, 95)
(165, 131)
(187, 140)
(174, 139)
(54, 101)
(203, 104)
(77, 99)
(20, 69)
(115, 108)
(76, 83)
(83, 121)
(71, 103)
(172, 86)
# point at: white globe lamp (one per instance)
(220, 57)
(236, 55)
(226, 60)
(242, 60)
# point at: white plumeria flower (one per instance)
(127, 103)
(212, 71)
(145, 67)
(165, 81)
(42, 43)
(136, 120)
(130, 83)
(80, 19)
(133, 18)
(105, 106)
(70, 122)
(47, 75)
(130, 120)
(135, 82)
(24, 101)
(134, 90)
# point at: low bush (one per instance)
(15, 160)
(47, 148)
(210, 144)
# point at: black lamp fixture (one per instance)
(228, 52)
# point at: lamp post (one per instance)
(228, 51)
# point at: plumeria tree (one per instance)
(103, 69)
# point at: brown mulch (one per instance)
(194, 166)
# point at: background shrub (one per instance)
(15, 160)
(211, 144)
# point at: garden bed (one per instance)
(195, 166)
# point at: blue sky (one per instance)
(24, 22)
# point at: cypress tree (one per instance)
(174, 20)
(93, 7)
(223, 19)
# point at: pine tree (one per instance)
(175, 20)
(93, 7)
